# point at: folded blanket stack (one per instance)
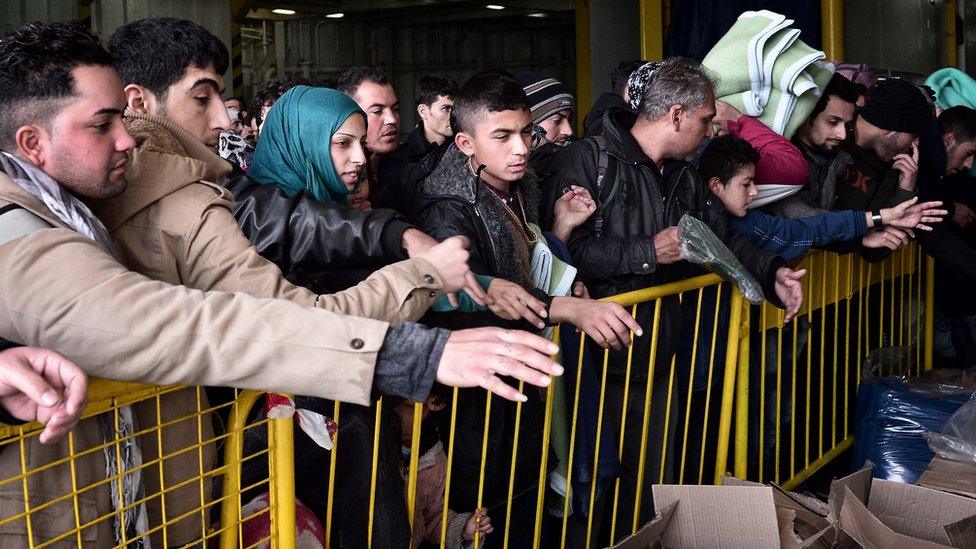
(767, 72)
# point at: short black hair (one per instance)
(960, 121)
(725, 156)
(431, 86)
(272, 90)
(36, 62)
(156, 52)
(840, 87)
(621, 74)
(350, 80)
(487, 92)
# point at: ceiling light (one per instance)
(336, 15)
(282, 11)
(495, 7)
(539, 14)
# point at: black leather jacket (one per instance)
(324, 247)
(636, 202)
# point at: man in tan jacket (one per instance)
(63, 287)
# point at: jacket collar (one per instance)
(166, 159)
(12, 193)
(617, 123)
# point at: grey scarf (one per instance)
(67, 208)
(124, 459)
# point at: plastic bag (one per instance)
(958, 439)
(700, 245)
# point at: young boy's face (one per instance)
(738, 192)
(501, 142)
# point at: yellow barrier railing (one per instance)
(735, 388)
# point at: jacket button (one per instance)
(428, 279)
(356, 343)
(645, 266)
(432, 293)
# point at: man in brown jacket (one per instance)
(62, 287)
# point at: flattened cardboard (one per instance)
(951, 476)
(650, 533)
(871, 533)
(858, 483)
(917, 511)
(720, 517)
(962, 533)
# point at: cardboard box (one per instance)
(955, 477)
(860, 511)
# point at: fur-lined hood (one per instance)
(511, 253)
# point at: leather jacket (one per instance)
(324, 247)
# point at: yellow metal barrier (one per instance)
(738, 389)
(62, 494)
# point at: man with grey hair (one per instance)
(639, 175)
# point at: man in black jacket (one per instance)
(631, 243)
(617, 97)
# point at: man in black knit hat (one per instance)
(883, 145)
(550, 105)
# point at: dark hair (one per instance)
(432, 86)
(487, 92)
(350, 80)
(273, 90)
(960, 121)
(36, 62)
(840, 87)
(725, 156)
(620, 75)
(155, 53)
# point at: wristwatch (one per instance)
(876, 218)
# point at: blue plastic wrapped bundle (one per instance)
(892, 418)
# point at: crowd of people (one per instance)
(154, 231)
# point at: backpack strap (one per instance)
(16, 222)
(601, 172)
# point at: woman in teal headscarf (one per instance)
(312, 141)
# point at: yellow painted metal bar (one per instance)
(447, 474)
(230, 506)
(708, 386)
(330, 496)
(584, 61)
(929, 310)
(741, 402)
(779, 402)
(418, 416)
(815, 465)
(793, 402)
(511, 471)
(201, 468)
(832, 28)
(572, 446)
(691, 384)
(833, 386)
(952, 55)
(377, 425)
(596, 452)
(738, 325)
(282, 461)
(484, 461)
(651, 29)
(651, 367)
(623, 430)
(761, 434)
(629, 299)
(823, 337)
(544, 459)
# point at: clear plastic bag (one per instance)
(957, 441)
(700, 245)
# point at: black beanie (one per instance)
(547, 96)
(898, 105)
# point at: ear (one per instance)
(141, 100)
(948, 140)
(675, 114)
(32, 144)
(465, 143)
(423, 111)
(715, 184)
(435, 403)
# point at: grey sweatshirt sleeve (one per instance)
(408, 360)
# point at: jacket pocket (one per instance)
(47, 523)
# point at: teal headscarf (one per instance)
(294, 149)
